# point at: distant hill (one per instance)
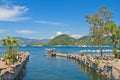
(67, 40)
(62, 40)
(27, 41)
(85, 40)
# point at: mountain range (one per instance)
(27, 41)
(63, 39)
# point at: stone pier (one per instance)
(10, 72)
(108, 68)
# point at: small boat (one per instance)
(51, 52)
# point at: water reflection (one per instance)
(22, 73)
(91, 74)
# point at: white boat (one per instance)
(51, 51)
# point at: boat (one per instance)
(51, 51)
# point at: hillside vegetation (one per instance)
(62, 40)
(67, 40)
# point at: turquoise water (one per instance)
(41, 67)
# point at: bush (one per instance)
(81, 54)
(10, 56)
(115, 52)
(97, 61)
(88, 57)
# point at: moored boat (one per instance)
(51, 52)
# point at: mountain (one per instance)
(59, 40)
(27, 41)
(85, 40)
(44, 41)
(63, 39)
(67, 40)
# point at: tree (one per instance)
(118, 32)
(105, 15)
(11, 42)
(111, 31)
(98, 21)
(118, 36)
(95, 31)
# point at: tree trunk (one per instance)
(100, 48)
(10, 49)
(115, 55)
(114, 46)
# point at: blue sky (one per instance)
(44, 19)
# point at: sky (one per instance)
(45, 19)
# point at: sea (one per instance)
(41, 67)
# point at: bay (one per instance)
(41, 67)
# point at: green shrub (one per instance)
(81, 54)
(10, 56)
(88, 57)
(115, 51)
(97, 61)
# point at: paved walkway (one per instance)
(115, 63)
(3, 64)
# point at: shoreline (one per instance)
(58, 46)
(107, 68)
(12, 71)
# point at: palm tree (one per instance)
(10, 42)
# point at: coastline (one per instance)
(12, 71)
(107, 68)
(59, 46)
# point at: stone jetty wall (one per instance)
(11, 72)
(116, 73)
(104, 67)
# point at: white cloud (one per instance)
(59, 33)
(2, 30)
(50, 23)
(52, 37)
(12, 13)
(25, 31)
(76, 36)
